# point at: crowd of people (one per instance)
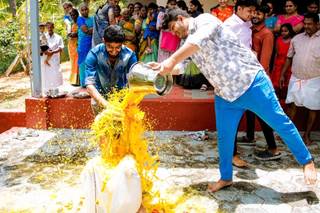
(286, 45)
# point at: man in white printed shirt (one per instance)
(240, 84)
(304, 85)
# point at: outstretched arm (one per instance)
(184, 52)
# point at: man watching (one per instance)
(304, 84)
(262, 44)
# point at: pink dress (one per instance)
(293, 20)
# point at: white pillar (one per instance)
(35, 45)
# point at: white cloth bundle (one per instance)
(120, 193)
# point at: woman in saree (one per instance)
(85, 24)
(149, 42)
(72, 47)
(127, 24)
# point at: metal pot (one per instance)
(141, 74)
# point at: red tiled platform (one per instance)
(11, 118)
(180, 110)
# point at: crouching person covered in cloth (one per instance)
(240, 84)
(117, 190)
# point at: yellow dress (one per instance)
(129, 30)
(73, 54)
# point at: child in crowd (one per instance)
(151, 32)
(282, 46)
(148, 50)
(44, 43)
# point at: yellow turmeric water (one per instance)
(118, 139)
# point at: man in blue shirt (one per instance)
(107, 65)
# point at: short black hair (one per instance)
(172, 15)
(49, 23)
(75, 11)
(245, 3)
(198, 5)
(182, 5)
(309, 2)
(114, 34)
(290, 29)
(263, 8)
(139, 4)
(168, 1)
(293, 2)
(313, 16)
(152, 6)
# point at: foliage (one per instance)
(8, 46)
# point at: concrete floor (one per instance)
(40, 170)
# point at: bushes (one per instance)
(8, 49)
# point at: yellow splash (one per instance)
(118, 139)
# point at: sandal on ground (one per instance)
(203, 87)
(267, 155)
(81, 95)
(238, 162)
(244, 140)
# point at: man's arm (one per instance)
(169, 65)
(94, 93)
(266, 53)
(285, 67)
(90, 79)
(206, 24)
(81, 22)
(287, 64)
(58, 50)
(112, 20)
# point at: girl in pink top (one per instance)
(292, 17)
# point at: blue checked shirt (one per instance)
(102, 74)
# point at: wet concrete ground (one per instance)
(40, 170)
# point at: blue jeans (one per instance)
(260, 98)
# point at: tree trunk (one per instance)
(13, 7)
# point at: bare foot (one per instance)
(310, 173)
(307, 140)
(214, 187)
(238, 162)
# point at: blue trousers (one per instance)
(260, 98)
(82, 73)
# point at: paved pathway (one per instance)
(44, 177)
